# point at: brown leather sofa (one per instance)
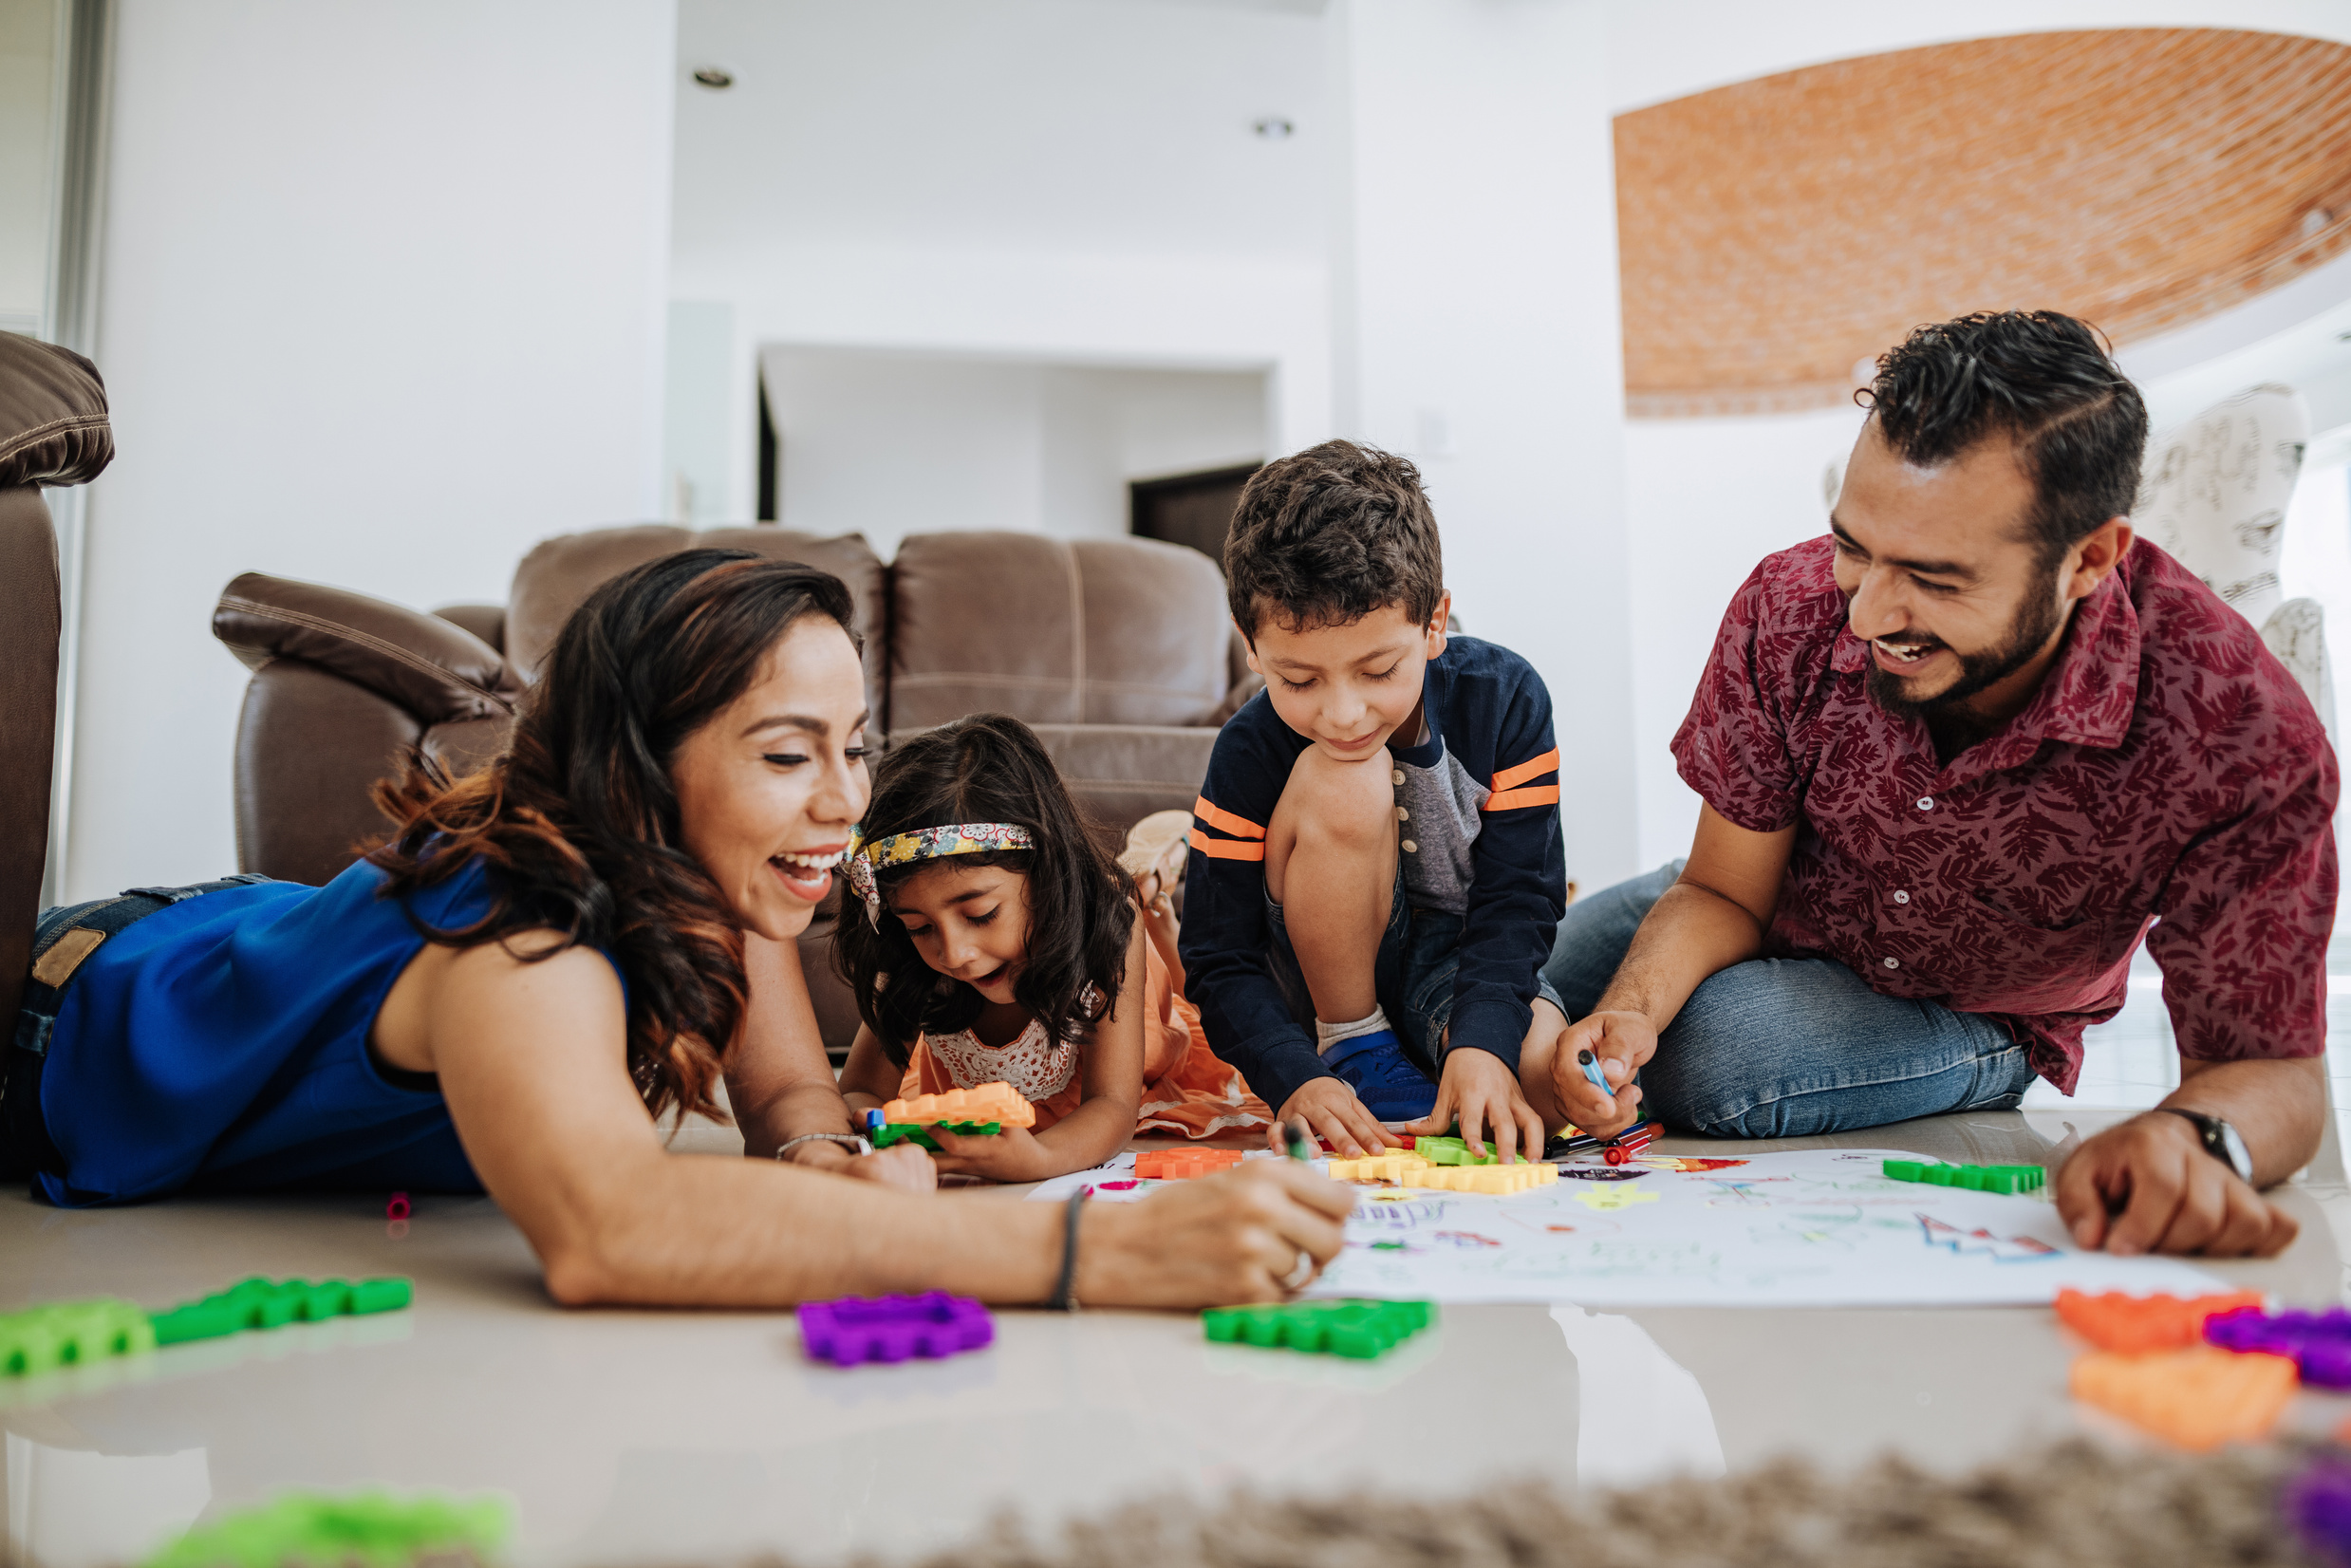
(53, 432)
(1118, 652)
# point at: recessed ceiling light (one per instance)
(1273, 127)
(714, 79)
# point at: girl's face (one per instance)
(769, 789)
(970, 922)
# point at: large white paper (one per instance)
(1820, 1228)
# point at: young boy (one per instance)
(1375, 868)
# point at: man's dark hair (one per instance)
(2044, 380)
(1326, 535)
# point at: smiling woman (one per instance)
(550, 954)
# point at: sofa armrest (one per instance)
(487, 622)
(437, 671)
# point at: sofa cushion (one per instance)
(437, 671)
(1055, 631)
(53, 426)
(559, 574)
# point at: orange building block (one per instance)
(990, 1102)
(1182, 1164)
(2135, 1324)
(2199, 1398)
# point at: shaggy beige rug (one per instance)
(2074, 1505)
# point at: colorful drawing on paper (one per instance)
(1819, 1228)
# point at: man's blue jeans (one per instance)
(1784, 1048)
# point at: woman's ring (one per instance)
(1296, 1278)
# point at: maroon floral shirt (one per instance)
(2168, 773)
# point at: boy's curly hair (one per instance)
(988, 767)
(1326, 535)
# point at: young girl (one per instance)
(997, 943)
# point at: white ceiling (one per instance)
(1092, 126)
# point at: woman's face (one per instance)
(970, 922)
(769, 789)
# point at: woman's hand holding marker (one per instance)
(1258, 1232)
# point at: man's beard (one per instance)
(2036, 619)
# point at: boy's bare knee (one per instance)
(1345, 804)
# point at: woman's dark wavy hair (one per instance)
(578, 821)
(988, 767)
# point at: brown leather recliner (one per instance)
(1118, 652)
(53, 432)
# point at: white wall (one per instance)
(382, 304)
(1064, 180)
(890, 444)
(1707, 500)
(1476, 283)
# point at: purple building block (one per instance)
(2320, 1342)
(855, 1330)
(2319, 1502)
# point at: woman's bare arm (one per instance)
(532, 1062)
(778, 1080)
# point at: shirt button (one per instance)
(1893, 964)
(1403, 815)
(1409, 847)
(1900, 897)
(1396, 776)
(1926, 803)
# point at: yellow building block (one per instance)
(1389, 1167)
(1496, 1181)
(990, 1102)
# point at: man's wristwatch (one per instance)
(2220, 1140)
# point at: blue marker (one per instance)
(1592, 1070)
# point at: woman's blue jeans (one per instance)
(1785, 1048)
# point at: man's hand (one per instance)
(1621, 1042)
(2148, 1186)
(1478, 1090)
(1331, 1111)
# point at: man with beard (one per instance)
(1958, 759)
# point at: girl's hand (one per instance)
(1237, 1236)
(1012, 1155)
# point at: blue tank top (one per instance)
(222, 1044)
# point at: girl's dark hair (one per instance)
(988, 767)
(577, 819)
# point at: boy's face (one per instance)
(1347, 688)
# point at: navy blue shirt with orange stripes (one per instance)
(1481, 841)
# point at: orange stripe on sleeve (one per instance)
(1240, 827)
(1535, 768)
(1510, 800)
(1231, 848)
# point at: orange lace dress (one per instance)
(1186, 1088)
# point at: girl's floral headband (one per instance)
(867, 856)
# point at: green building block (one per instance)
(376, 1529)
(909, 1132)
(70, 1334)
(1360, 1330)
(1450, 1151)
(1974, 1178)
(258, 1304)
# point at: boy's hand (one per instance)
(1012, 1155)
(1333, 1113)
(1478, 1090)
(1621, 1042)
